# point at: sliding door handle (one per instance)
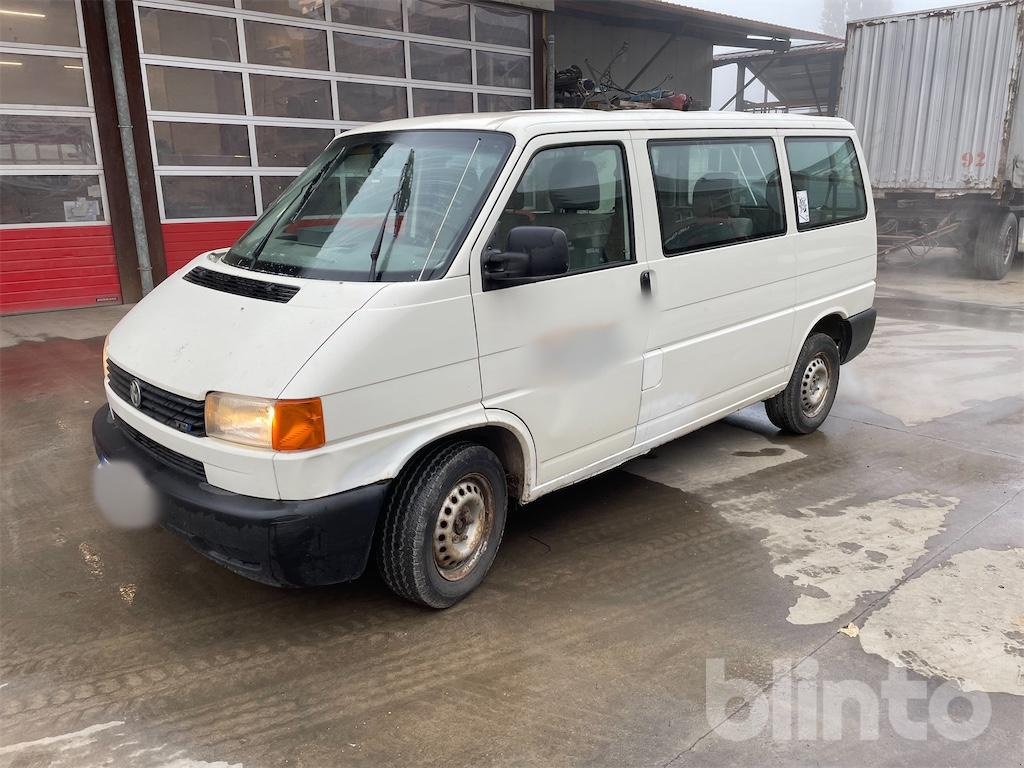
(645, 282)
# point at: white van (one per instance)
(443, 317)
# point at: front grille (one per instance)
(242, 286)
(173, 410)
(162, 453)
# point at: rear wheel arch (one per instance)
(836, 327)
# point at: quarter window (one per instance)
(713, 192)
(580, 190)
(827, 185)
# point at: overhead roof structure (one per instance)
(804, 78)
(719, 28)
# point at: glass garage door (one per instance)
(242, 94)
(56, 246)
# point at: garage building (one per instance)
(230, 99)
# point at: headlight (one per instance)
(284, 425)
(106, 347)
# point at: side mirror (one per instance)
(531, 254)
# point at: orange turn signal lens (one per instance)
(298, 425)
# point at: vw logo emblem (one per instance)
(135, 393)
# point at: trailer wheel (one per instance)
(442, 524)
(996, 245)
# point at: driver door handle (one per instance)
(645, 282)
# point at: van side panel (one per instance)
(835, 264)
(381, 404)
(721, 318)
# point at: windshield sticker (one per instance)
(803, 212)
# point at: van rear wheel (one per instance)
(806, 401)
(442, 524)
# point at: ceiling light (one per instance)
(27, 14)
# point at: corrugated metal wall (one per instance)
(930, 95)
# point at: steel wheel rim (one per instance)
(815, 386)
(1009, 246)
(463, 527)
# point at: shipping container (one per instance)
(935, 97)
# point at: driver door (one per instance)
(565, 353)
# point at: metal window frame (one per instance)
(330, 75)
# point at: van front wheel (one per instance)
(806, 401)
(442, 524)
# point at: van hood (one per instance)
(191, 339)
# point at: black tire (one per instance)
(418, 510)
(996, 246)
(791, 410)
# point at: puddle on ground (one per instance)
(717, 454)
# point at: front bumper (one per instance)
(284, 543)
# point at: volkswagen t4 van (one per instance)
(444, 317)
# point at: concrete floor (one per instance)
(615, 607)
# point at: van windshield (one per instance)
(387, 206)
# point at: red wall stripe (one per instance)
(57, 268)
(183, 241)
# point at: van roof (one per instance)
(529, 123)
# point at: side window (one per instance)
(580, 190)
(713, 192)
(827, 185)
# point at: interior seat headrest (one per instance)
(573, 185)
(716, 195)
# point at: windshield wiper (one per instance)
(302, 200)
(399, 204)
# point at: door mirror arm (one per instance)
(532, 254)
(505, 268)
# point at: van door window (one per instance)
(580, 190)
(827, 184)
(713, 192)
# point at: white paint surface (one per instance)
(837, 553)
(962, 620)
(62, 742)
(99, 746)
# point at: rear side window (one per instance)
(713, 192)
(827, 184)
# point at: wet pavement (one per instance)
(683, 610)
